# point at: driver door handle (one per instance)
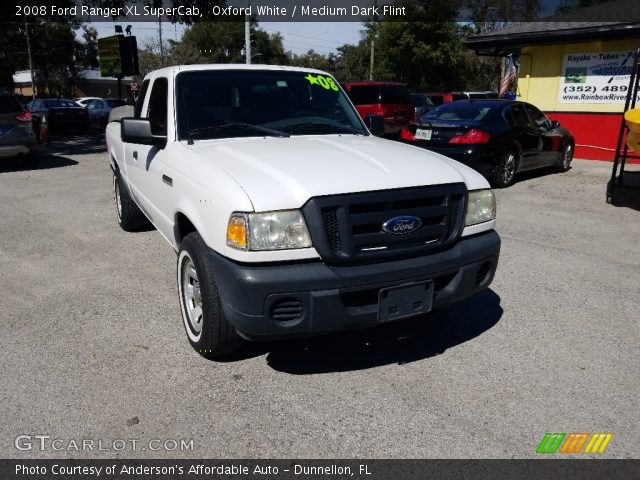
(135, 155)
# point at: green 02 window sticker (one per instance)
(325, 82)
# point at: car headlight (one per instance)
(480, 208)
(280, 230)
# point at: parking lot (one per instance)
(93, 346)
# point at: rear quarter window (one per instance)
(395, 94)
(9, 104)
(364, 94)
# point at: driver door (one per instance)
(151, 187)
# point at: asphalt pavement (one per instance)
(93, 347)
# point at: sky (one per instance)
(298, 37)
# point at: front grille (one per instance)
(348, 228)
(286, 309)
(331, 224)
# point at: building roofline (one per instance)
(510, 40)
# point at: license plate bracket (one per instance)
(405, 301)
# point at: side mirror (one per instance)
(555, 124)
(138, 130)
(375, 124)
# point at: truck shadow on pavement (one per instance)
(399, 343)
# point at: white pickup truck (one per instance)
(289, 216)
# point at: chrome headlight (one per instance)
(280, 230)
(480, 208)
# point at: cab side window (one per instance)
(538, 118)
(158, 101)
(137, 111)
(518, 116)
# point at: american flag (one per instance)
(510, 75)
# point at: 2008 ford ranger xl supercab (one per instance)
(289, 217)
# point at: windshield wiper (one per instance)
(232, 126)
(325, 126)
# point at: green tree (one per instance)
(313, 59)
(268, 48)
(87, 51)
(352, 61)
(54, 56)
(175, 53)
(220, 42)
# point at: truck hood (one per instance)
(280, 173)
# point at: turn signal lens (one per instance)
(473, 136)
(237, 232)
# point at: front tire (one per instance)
(563, 162)
(507, 167)
(208, 331)
(130, 217)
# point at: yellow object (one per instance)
(632, 117)
(237, 232)
(633, 141)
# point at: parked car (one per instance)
(62, 114)
(422, 104)
(438, 98)
(289, 218)
(392, 100)
(17, 138)
(99, 109)
(498, 138)
(82, 101)
(480, 95)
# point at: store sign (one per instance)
(595, 77)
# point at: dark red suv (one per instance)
(392, 100)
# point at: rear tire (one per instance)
(565, 156)
(208, 331)
(130, 217)
(507, 167)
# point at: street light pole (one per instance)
(33, 81)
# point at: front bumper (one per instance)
(345, 297)
(8, 151)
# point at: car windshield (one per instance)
(114, 103)
(243, 103)
(60, 103)
(460, 112)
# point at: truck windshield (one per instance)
(244, 103)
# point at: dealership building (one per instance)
(574, 69)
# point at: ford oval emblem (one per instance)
(402, 225)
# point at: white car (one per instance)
(289, 218)
(100, 109)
